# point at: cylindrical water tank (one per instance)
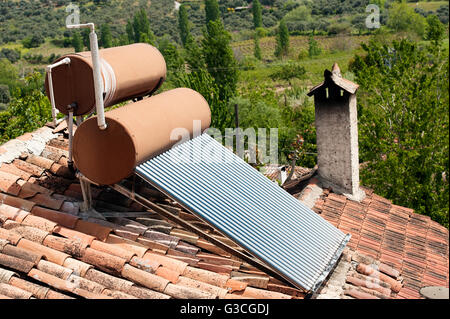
(135, 133)
(128, 71)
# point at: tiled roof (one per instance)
(50, 249)
(393, 235)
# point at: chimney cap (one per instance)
(334, 77)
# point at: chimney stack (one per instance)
(337, 134)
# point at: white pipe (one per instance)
(50, 85)
(70, 128)
(98, 81)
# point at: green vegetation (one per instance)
(282, 47)
(264, 58)
(404, 124)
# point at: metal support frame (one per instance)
(50, 86)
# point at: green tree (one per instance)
(257, 14)
(105, 36)
(202, 82)
(435, 29)
(193, 55)
(220, 59)
(85, 37)
(257, 48)
(183, 24)
(211, 10)
(130, 31)
(313, 47)
(141, 28)
(403, 18)
(77, 42)
(282, 45)
(174, 61)
(28, 110)
(33, 42)
(403, 111)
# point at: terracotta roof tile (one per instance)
(39, 222)
(14, 292)
(108, 281)
(234, 285)
(69, 246)
(54, 153)
(32, 169)
(37, 291)
(112, 250)
(31, 233)
(144, 278)
(40, 161)
(47, 201)
(118, 294)
(183, 292)
(10, 236)
(209, 277)
(15, 263)
(60, 218)
(145, 264)
(12, 213)
(170, 263)
(16, 202)
(263, 294)
(24, 254)
(14, 170)
(74, 235)
(48, 253)
(126, 244)
(103, 261)
(192, 283)
(86, 284)
(79, 268)
(8, 183)
(157, 247)
(54, 269)
(93, 229)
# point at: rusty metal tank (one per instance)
(135, 133)
(128, 72)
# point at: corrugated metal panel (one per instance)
(219, 187)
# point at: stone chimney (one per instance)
(337, 134)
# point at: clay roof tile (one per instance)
(103, 261)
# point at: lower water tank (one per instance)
(137, 132)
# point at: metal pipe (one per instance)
(50, 85)
(98, 81)
(70, 129)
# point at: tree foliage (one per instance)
(219, 59)
(211, 10)
(202, 82)
(435, 29)
(106, 40)
(257, 14)
(183, 24)
(403, 18)
(282, 46)
(404, 123)
(29, 109)
(77, 42)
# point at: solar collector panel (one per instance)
(219, 187)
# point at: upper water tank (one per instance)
(128, 72)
